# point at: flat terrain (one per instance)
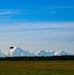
(36, 67)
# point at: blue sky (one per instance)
(37, 24)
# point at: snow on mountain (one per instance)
(72, 53)
(50, 52)
(41, 53)
(44, 53)
(60, 53)
(16, 51)
(1, 53)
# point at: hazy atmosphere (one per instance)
(37, 24)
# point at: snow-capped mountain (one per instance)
(1, 53)
(16, 51)
(72, 53)
(60, 53)
(41, 53)
(44, 53)
(50, 52)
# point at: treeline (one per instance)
(35, 58)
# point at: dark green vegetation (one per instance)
(38, 58)
(36, 67)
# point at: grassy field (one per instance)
(36, 67)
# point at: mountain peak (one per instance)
(16, 51)
(61, 51)
(12, 49)
(50, 51)
(1, 51)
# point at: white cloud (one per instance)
(8, 12)
(36, 11)
(20, 26)
(37, 39)
(31, 11)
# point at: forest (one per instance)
(37, 58)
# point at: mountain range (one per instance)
(16, 51)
